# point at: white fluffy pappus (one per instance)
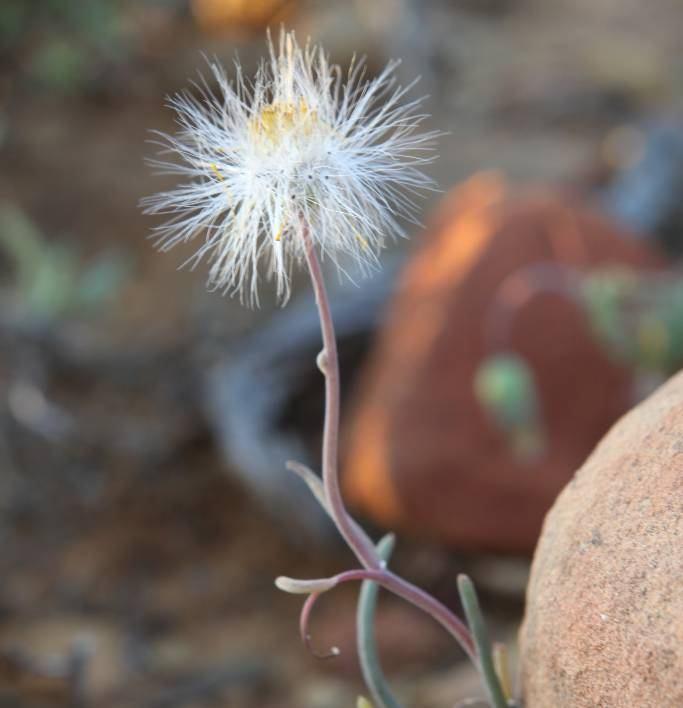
(301, 155)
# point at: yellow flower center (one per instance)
(280, 121)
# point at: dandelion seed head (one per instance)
(303, 154)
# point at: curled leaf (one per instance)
(304, 587)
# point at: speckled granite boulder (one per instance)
(604, 617)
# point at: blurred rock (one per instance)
(230, 15)
(23, 686)
(494, 8)
(85, 656)
(325, 693)
(505, 577)
(422, 453)
(646, 194)
(50, 682)
(604, 618)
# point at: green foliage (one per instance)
(49, 279)
(504, 386)
(639, 318)
(59, 64)
(62, 41)
(365, 631)
(14, 18)
(475, 620)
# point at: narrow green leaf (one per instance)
(475, 620)
(367, 648)
(502, 664)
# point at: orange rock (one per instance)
(604, 616)
(220, 15)
(422, 454)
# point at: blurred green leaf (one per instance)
(14, 16)
(21, 240)
(49, 279)
(102, 281)
(504, 386)
(59, 64)
(63, 44)
(50, 292)
(638, 317)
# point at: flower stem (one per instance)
(353, 534)
(394, 584)
(424, 601)
(328, 362)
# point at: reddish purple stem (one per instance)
(357, 541)
(352, 533)
(409, 592)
